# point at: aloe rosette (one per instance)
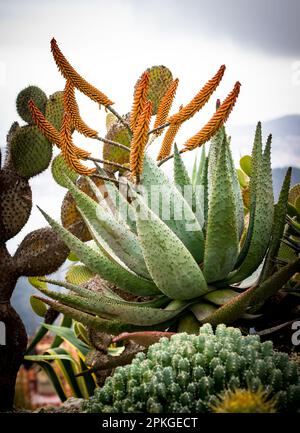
(190, 266)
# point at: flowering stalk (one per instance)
(168, 140)
(165, 106)
(199, 100)
(139, 140)
(218, 119)
(139, 99)
(80, 83)
(73, 109)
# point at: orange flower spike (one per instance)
(168, 140)
(43, 124)
(165, 106)
(218, 119)
(72, 108)
(68, 149)
(199, 100)
(139, 99)
(139, 140)
(69, 73)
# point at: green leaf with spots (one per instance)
(221, 243)
(172, 208)
(263, 219)
(170, 264)
(97, 262)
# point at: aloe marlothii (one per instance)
(183, 267)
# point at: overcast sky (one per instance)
(112, 42)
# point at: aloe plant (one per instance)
(191, 266)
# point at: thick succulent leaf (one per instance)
(194, 171)
(110, 309)
(274, 283)
(201, 166)
(103, 325)
(256, 161)
(184, 185)
(221, 242)
(202, 310)
(263, 220)
(142, 338)
(213, 154)
(97, 262)
(181, 176)
(68, 335)
(111, 235)
(246, 164)
(172, 208)
(254, 297)
(170, 264)
(278, 226)
(117, 201)
(239, 205)
(98, 296)
(79, 274)
(220, 296)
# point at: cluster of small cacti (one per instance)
(187, 373)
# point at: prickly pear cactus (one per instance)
(55, 109)
(186, 373)
(41, 252)
(35, 94)
(31, 152)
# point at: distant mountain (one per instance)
(278, 176)
(285, 143)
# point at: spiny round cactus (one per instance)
(55, 109)
(186, 373)
(30, 151)
(35, 94)
(160, 79)
(245, 401)
(15, 204)
(119, 133)
(41, 252)
(70, 216)
(60, 169)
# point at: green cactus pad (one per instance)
(55, 109)
(119, 133)
(15, 204)
(186, 373)
(160, 79)
(31, 152)
(40, 253)
(39, 98)
(60, 169)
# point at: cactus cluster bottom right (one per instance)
(191, 373)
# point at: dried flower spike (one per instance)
(165, 106)
(139, 140)
(139, 99)
(217, 120)
(73, 109)
(199, 100)
(80, 83)
(43, 124)
(68, 149)
(168, 140)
